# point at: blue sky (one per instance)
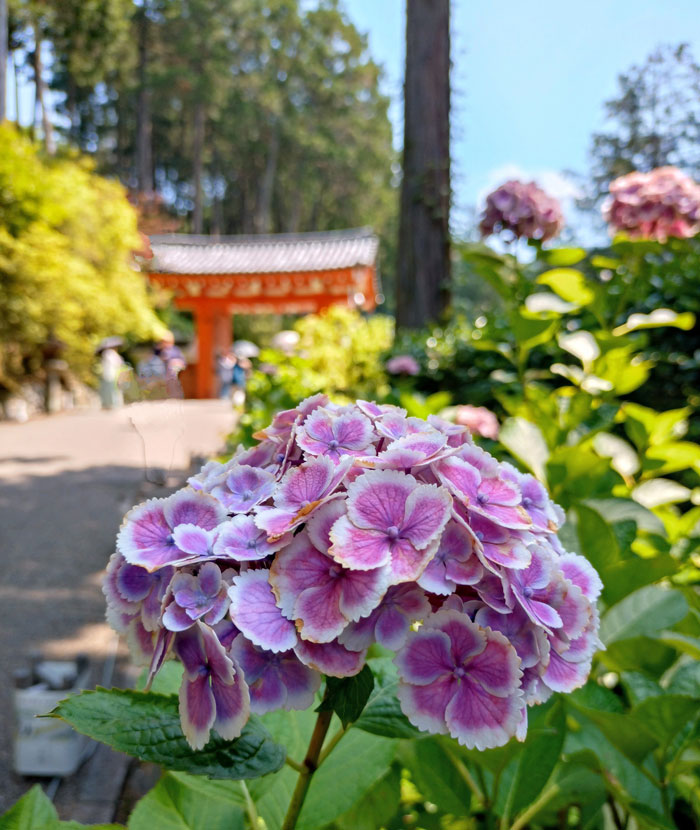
(529, 79)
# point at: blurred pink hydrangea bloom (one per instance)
(349, 526)
(479, 419)
(654, 205)
(523, 210)
(402, 364)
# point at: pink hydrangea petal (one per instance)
(145, 536)
(407, 563)
(425, 657)
(377, 499)
(497, 667)
(361, 592)
(197, 710)
(540, 612)
(359, 548)
(499, 491)
(563, 676)
(466, 638)
(428, 509)
(254, 611)
(392, 628)
(295, 568)
(232, 706)
(320, 524)
(578, 569)
(192, 507)
(425, 706)
(318, 614)
(480, 720)
(241, 539)
(574, 610)
(192, 540)
(460, 477)
(464, 573)
(332, 659)
(353, 431)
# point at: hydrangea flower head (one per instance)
(345, 527)
(654, 205)
(521, 210)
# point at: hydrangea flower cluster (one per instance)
(343, 527)
(655, 205)
(523, 210)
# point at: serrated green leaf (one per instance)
(382, 715)
(642, 613)
(652, 818)
(645, 654)
(34, 811)
(147, 726)
(172, 806)
(347, 696)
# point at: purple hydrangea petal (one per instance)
(193, 540)
(192, 507)
(176, 618)
(255, 612)
(360, 548)
(428, 509)
(241, 539)
(232, 706)
(209, 578)
(332, 659)
(145, 537)
(425, 706)
(197, 710)
(578, 570)
(377, 500)
(480, 720)
(425, 658)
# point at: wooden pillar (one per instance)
(223, 331)
(205, 379)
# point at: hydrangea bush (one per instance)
(522, 210)
(347, 526)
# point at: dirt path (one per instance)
(65, 482)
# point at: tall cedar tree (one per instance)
(423, 271)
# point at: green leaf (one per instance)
(666, 715)
(643, 613)
(229, 791)
(347, 696)
(657, 318)
(672, 457)
(382, 715)
(532, 331)
(686, 680)
(545, 739)
(683, 642)
(622, 578)
(652, 818)
(172, 806)
(166, 682)
(571, 285)
(358, 762)
(147, 726)
(660, 491)
(644, 654)
(377, 806)
(34, 811)
(621, 510)
(437, 776)
(596, 538)
(524, 441)
(563, 256)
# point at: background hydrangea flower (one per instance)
(654, 205)
(521, 210)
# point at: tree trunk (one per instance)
(263, 212)
(144, 147)
(40, 100)
(3, 60)
(423, 271)
(197, 166)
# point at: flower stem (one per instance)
(250, 807)
(309, 767)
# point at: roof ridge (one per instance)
(204, 240)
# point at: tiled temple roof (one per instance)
(263, 254)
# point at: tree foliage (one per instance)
(66, 238)
(653, 120)
(244, 115)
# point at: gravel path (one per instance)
(65, 482)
